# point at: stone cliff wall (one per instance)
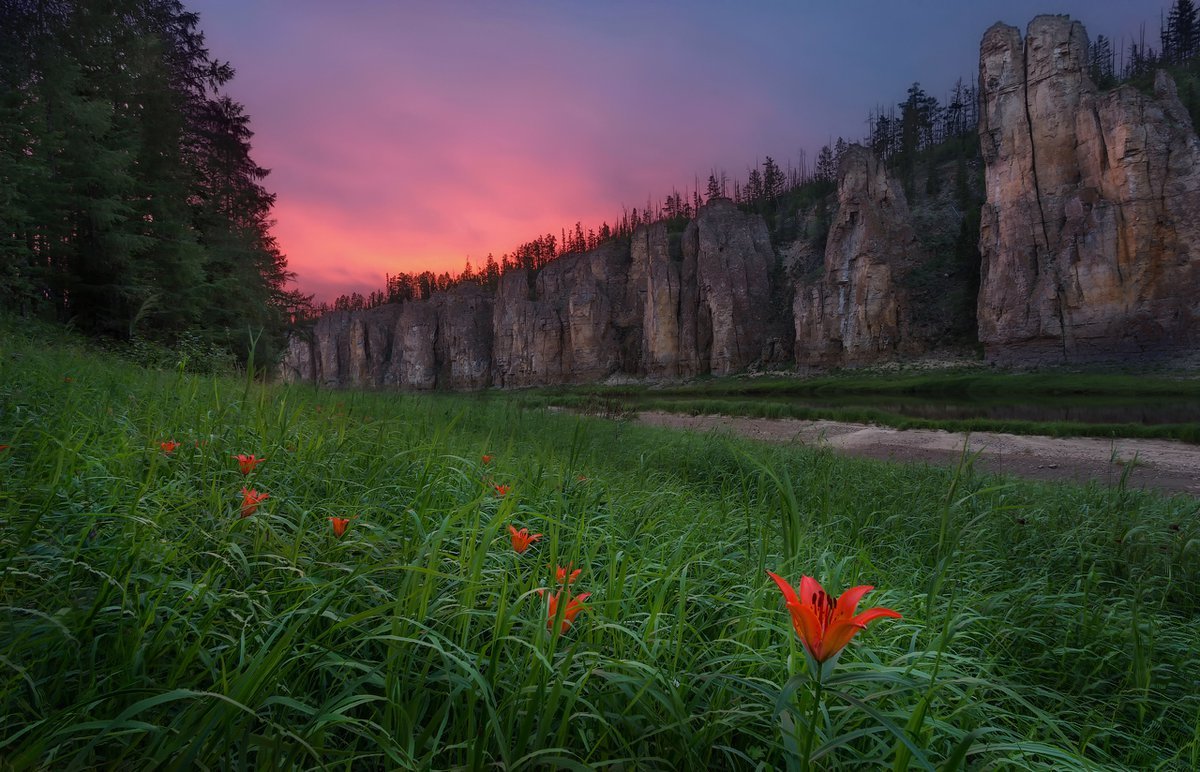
(858, 310)
(1090, 232)
(632, 308)
(1089, 237)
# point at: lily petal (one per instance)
(789, 592)
(808, 588)
(847, 603)
(838, 635)
(870, 615)
(808, 627)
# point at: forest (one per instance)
(130, 203)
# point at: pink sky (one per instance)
(406, 137)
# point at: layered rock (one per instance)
(644, 308)
(441, 342)
(727, 258)
(857, 311)
(578, 322)
(1089, 235)
(659, 294)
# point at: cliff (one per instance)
(858, 310)
(637, 308)
(1089, 235)
(1087, 251)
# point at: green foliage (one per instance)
(131, 207)
(149, 625)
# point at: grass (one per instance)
(146, 624)
(856, 398)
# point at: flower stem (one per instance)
(818, 692)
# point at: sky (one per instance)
(411, 136)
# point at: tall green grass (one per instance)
(145, 624)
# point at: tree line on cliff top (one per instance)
(911, 137)
(130, 205)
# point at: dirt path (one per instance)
(1165, 465)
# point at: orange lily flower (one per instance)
(826, 625)
(521, 539)
(247, 463)
(169, 446)
(339, 525)
(502, 490)
(3, 448)
(250, 501)
(574, 606)
(566, 575)
(486, 459)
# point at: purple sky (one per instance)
(405, 136)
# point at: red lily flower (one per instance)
(502, 490)
(250, 501)
(169, 446)
(339, 525)
(3, 448)
(574, 606)
(486, 459)
(566, 575)
(521, 539)
(826, 625)
(247, 463)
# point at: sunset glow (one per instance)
(407, 137)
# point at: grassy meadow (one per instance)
(148, 624)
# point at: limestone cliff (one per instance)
(723, 315)
(637, 308)
(441, 342)
(1090, 234)
(577, 324)
(858, 309)
(1089, 238)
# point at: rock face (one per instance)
(857, 311)
(577, 323)
(442, 342)
(659, 295)
(647, 308)
(723, 316)
(1089, 236)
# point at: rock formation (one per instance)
(723, 315)
(858, 310)
(1089, 235)
(639, 309)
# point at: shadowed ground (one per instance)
(1165, 465)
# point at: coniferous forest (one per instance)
(130, 202)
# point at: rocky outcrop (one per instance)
(660, 296)
(579, 321)
(723, 318)
(650, 307)
(1089, 236)
(857, 311)
(463, 351)
(441, 342)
